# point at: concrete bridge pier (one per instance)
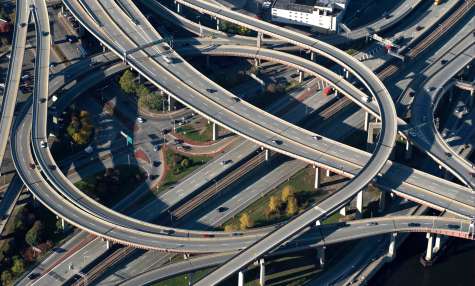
(321, 255)
(408, 153)
(392, 246)
(316, 185)
(266, 155)
(301, 76)
(430, 249)
(328, 173)
(257, 63)
(240, 278)
(108, 244)
(262, 272)
(437, 244)
(343, 211)
(217, 24)
(383, 197)
(312, 56)
(366, 121)
(260, 36)
(178, 7)
(171, 103)
(359, 204)
(215, 131)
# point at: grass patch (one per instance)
(111, 185)
(303, 185)
(177, 169)
(190, 133)
(182, 280)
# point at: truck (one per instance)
(328, 91)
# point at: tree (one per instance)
(18, 266)
(274, 205)
(246, 221)
(287, 192)
(35, 235)
(185, 163)
(142, 91)
(7, 278)
(127, 82)
(292, 206)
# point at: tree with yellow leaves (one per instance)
(292, 206)
(274, 205)
(287, 192)
(246, 221)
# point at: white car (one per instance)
(140, 120)
(43, 144)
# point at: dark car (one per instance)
(211, 90)
(277, 142)
(418, 28)
(52, 167)
(413, 224)
(444, 62)
(32, 166)
(222, 209)
(372, 223)
(156, 163)
(34, 275)
(454, 226)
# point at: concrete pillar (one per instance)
(63, 225)
(408, 153)
(347, 74)
(366, 121)
(108, 246)
(215, 132)
(257, 63)
(392, 246)
(429, 250)
(171, 103)
(217, 24)
(471, 100)
(240, 278)
(437, 244)
(383, 197)
(178, 8)
(328, 173)
(312, 56)
(259, 39)
(359, 203)
(343, 211)
(262, 272)
(321, 255)
(301, 76)
(316, 185)
(266, 154)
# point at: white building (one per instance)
(324, 15)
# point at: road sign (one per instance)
(128, 139)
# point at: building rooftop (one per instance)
(306, 6)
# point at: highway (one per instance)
(12, 82)
(326, 235)
(9, 200)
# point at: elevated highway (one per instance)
(12, 82)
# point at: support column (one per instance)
(171, 103)
(392, 246)
(408, 153)
(312, 56)
(301, 76)
(316, 185)
(262, 272)
(437, 244)
(321, 255)
(108, 246)
(429, 250)
(343, 211)
(240, 278)
(366, 121)
(63, 225)
(359, 203)
(328, 173)
(217, 24)
(215, 132)
(383, 196)
(259, 39)
(266, 154)
(471, 99)
(257, 63)
(178, 8)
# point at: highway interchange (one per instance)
(58, 193)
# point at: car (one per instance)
(414, 224)
(317, 137)
(460, 108)
(45, 33)
(412, 93)
(169, 60)
(211, 90)
(448, 154)
(43, 144)
(52, 64)
(178, 141)
(42, 100)
(140, 120)
(34, 275)
(156, 147)
(419, 28)
(236, 99)
(208, 235)
(372, 223)
(156, 163)
(277, 142)
(32, 166)
(444, 62)
(23, 25)
(52, 167)
(225, 162)
(454, 226)
(237, 233)
(165, 131)
(222, 209)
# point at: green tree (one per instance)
(142, 91)
(292, 206)
(246, 221)
(7, 278)
(35, 235)
(287, 192)
(18, 266)
(127, 82)
(274, 205)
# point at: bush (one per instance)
(292, 206)
(274, 205)
(287, 192)
(18, 265)
(127, 82)
(34, 236)
(246, 221)
(7, 278)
